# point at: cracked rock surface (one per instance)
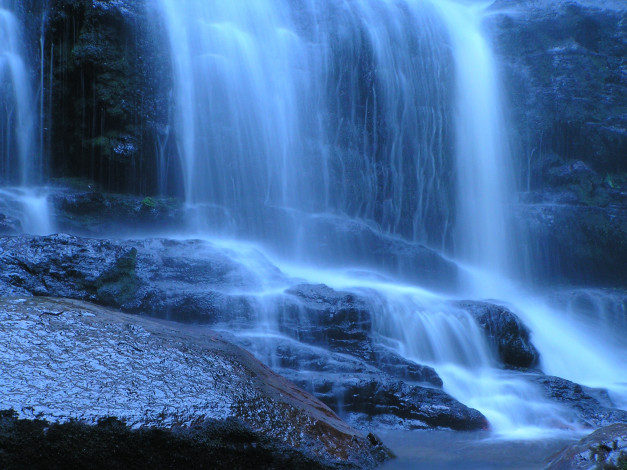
(65, 359)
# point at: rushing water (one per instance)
(289, 110)
(20, 159)
(318, 128)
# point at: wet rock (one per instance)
(566, 87)
(199, 282)
(92, 212)
(605, 448)
(108, 101)
(567, 98)
(155, 374)
(196, 281)
(214, 444)
(577, 243)
(506, 333)
(591, 405)
(341, 321)
(361, 391)
(430, 406)
(62, 265)
(178, 280)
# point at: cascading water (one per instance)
(292, 112)
(21, 161)
(320, 128)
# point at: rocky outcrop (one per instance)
(157, 375)
(421, 407)
(508, 336)
(40, 445)
(565, 76)
(362, 391)
(99, 271)
(591, 405)
(196, 281)
(341, 322)
(606, 448)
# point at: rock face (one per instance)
(565, 75)
(565, 72)
(605, 448)
(505, 332)
(576, 243)
(108, 93)
(91, 212)
(156, 374)
(199, 282)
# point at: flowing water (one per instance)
(322, 130)
(21, 160)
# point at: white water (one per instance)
(485, 182)
(280, 108)
(29, 206)
(21, 162)
(298, 118)
(18, 118)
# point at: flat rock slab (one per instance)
(65, 359)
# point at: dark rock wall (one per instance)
(566, 78)
(564, 69)
(109, 96)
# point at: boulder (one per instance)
(362, 391)
(605, 448)
(179, 280)
(505, 332)
(421, 406)
(62, 265)
(69, 360)
(214, 444)
(592, 406)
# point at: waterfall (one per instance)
(485, 182)
(288, 110)
(21, 162)
(17, 117)
(319, 128)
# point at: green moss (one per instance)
(119, 285)
(149, 202)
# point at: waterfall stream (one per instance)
(359, 144)
(22, 162)
(313, 127)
